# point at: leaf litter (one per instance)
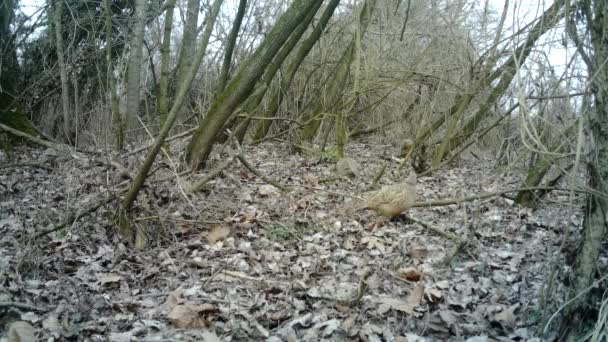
(240, 260)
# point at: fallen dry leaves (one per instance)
(272, 266)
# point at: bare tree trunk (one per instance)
(165, 49)
(57, 8)
(135, 63)
(230, 44)
(188, 46)
(117, 121)
(242, 84)
(595, 225)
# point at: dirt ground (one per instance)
(242, 260)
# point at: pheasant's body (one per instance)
(392, 200)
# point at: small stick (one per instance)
(450, 201)
(363, 285)
(260, 174)
(459, 242)
(22, 306)
(26, 164)
(378, 176)
(145, 147)
(76, 215)
(214, 173)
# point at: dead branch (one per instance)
(64, 148)
(55, 146)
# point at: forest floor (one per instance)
(241, 260)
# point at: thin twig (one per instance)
(211, 175)
(260, 174)
(458, 241)
(26, 164)
(23, 306)
(450, 201)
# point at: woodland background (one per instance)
(154, 107)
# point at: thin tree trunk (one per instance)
(252, 103)
(188, 46)
(127, 202)
(165, 49)
(135, 63)
(312, 118)
(230, 44)
(57, 7)
(538, 170)
(242, 84)
(117, 121)
(9, 69)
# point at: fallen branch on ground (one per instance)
(458, 241)
(209, 176)
(260, 174)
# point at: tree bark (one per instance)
(188, 46)
(595, 224)
(313, 117)
(135, 63)
(57, 7)
(116, 117)
(253, 102)
(165, 49)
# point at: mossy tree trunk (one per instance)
(276, 97)
(253, 102)
(188, 46)
(243, 83)
(165, 49)
(9, 69)
(541, 167)
(11, 113)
